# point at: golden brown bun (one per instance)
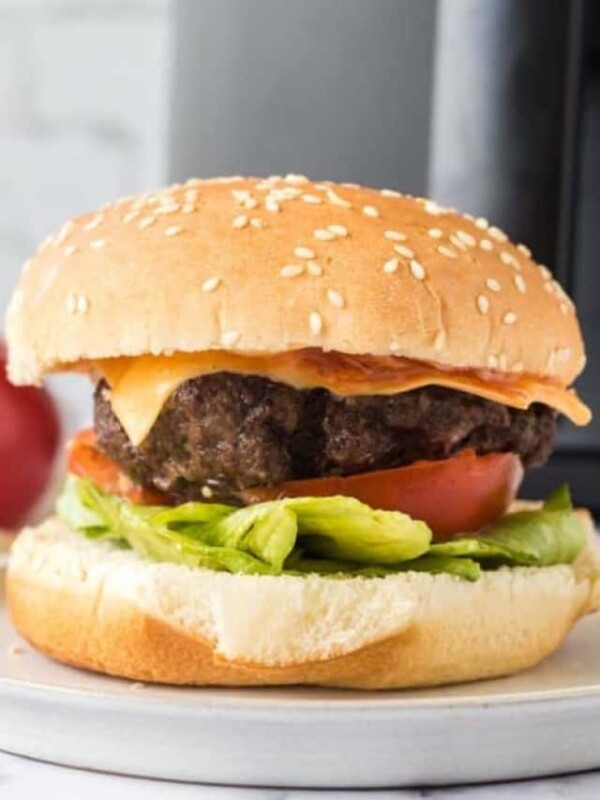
(92, 605)
(199, 266)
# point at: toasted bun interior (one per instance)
(93, 605)
(258, 266)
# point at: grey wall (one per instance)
(336, 89)
(83, 97)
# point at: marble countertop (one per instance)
(24, 779)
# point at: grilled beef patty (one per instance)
(229, 432)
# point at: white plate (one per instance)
(543, 722)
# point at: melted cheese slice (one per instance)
(141, 386)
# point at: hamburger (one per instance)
(313, 407)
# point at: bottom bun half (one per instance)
(94, 605)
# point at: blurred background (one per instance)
(489, 105)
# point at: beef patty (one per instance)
(228, 432)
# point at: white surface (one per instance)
(84, 110)
(23, 779)
(541, 722)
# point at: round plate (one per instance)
(542, 722)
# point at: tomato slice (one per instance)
(455, 495)
(86, 461)
(461, 494)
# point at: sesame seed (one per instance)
(509, 259)
(545, 272)
(173, 230)
(71, 303)
(497, 234)
(465, 237)
(435, 233)
(323, 235)
(469, 216)
(15, 649)
(483, 304)
(564, 308)
(70, 249)
(250, 203)
(206, 492)
(288, 193)
(241, 195)
(63, 233)
(335, 298)
(256, 222)
(439, 341)
(493, 285)
(210, 284)
(168, 209)
(304, 252)
(492, 361)
(83, 304)
(458, 243)
(336, 200)
(229, 338)
(395, 347)
(548, 287)
(370, 211)
(563, 353)
(315, 323)
(188, 208)
(431, 207)
(191, 195)
(295, 179)
(395, 236)
(272, 205)
(292, 270)
(447, 251)
(97, 244)
(418, 270)
(509, 318)
(390, 193)
(311, 198)
(131, 215)
(146, 222)
(485, 244)
(518, 366)
(520, 283)
(404, 251)
(391, 266)
(139, 202)
(94, 223)
(314, 268)
(339, 230)
(16, 302)
(524, 249)
(240, 222)
(482, 223)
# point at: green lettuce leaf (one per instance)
(258, 538)
(330, 536)
(344, 528)
(98, 515)
(465, 568)
(552, 535)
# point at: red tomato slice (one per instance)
(455, 495)
(86, 461)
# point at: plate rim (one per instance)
(219, 699)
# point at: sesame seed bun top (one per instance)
(271, 265)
